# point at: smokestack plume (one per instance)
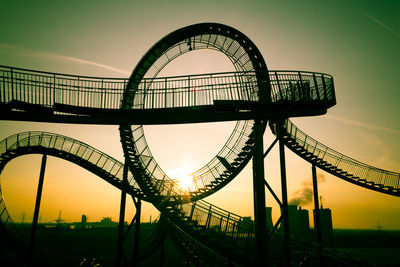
(304, 195)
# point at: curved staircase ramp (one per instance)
(84, 155)
(77, 152)
(66, 148)
(340, 165)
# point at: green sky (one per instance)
(357, 42)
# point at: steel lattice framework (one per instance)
(249, 95)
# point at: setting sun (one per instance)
(182, 178)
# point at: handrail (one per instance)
(47, 89)
(345, 165)
(156, 78)
(58, 73)
(67, 145)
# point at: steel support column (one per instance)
(284, 207)
(120, 240)
(259, 195)
(37, 207)
(317, 220)
(138, 205)
(162, 250)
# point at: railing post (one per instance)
(237, 87)
(220, 224)
(3, 88)
(12, 84)
(165, 100)
(324, 86)
(208, 221)
(398, 183)
(54, 89)
(192, 210)
(152, 98)
(103, 92)
(292, 91)
(316, 86)
(227, 222)
(188, 91)
(36, 211)
(173, 98)
(279, 85)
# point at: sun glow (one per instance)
(182, 178)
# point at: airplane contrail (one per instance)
(380, 23)
(8, 48)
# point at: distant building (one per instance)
(303, 222)
(247, 219)
(83, 221)
(325, 216)
(299, 224)
(106, 222)
(268, 212)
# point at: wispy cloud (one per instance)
(364, 125)
(383, 156)
(380, 23)
(12, 49)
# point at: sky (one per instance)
(357, 42)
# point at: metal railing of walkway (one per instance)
(49, 89)
(339, 164)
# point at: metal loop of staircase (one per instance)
(238, 149)
(225, 232)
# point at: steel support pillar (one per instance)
(259, 195)
(37, 207)
(162, 250)
(120, 239)
(317, 220)
(284, 207)
(138, 205)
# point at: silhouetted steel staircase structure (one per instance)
(166, 193)
(84, 155)
(251, 93)
(192, 222)
(340, 165)
(69, 149)
(66, 148)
